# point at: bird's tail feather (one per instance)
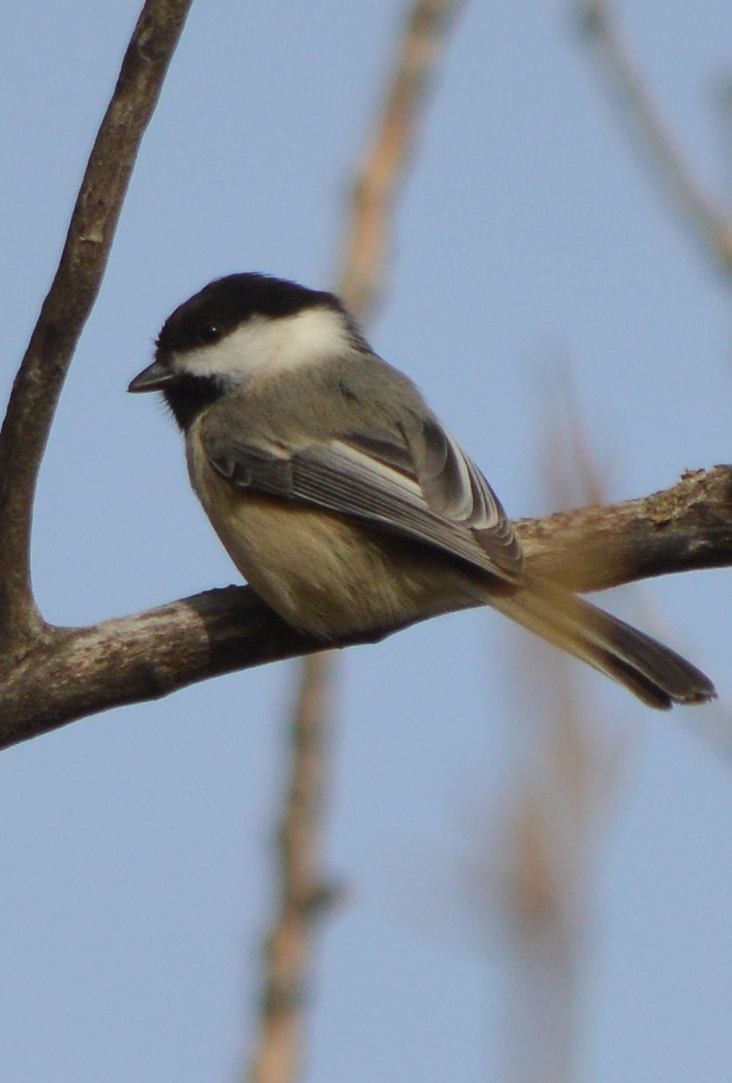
(654, 673)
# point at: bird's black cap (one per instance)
(224, 304)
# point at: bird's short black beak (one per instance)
(154, 378)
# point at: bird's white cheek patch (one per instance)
(270, 346)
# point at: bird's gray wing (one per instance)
(450, 483)
(419, 486)
(455, 488)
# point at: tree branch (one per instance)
(67, 306)
(684, 528)
(711, 221)
(72, 673)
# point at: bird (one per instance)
(341, 498)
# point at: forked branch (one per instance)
(51, 676)
(67, 306)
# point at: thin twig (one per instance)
(67, 306)
(710, 220)
(386, 163)
(288, 957)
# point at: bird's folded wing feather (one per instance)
(421, 486)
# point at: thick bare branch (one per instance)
(68, 304)
(72, 673)
(676, 530)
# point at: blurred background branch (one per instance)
(710, 220)
(537, 874)
(302, 892)
(278, 1051)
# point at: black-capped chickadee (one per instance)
(339, 495)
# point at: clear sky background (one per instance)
(532, 243)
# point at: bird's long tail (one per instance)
(654, 673)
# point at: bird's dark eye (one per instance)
(210, 332)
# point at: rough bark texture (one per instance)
(50, 676)
(70, 673)
(688, 526)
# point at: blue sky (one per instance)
(531, 242)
